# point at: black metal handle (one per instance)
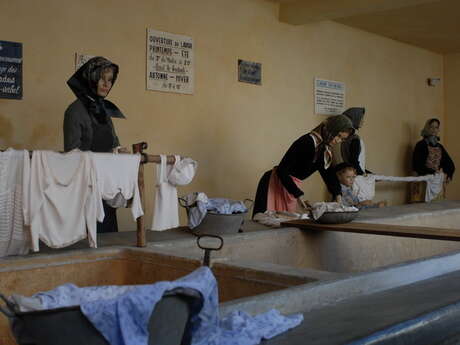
(207, 250)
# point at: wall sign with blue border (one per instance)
(10, 70)
(249, 72)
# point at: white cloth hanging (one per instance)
(183, 172)
(364, 185)
(165, 209)
(63, 202)
(117, 178)
(14, 178)
(362, 156)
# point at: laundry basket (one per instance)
(216, 223)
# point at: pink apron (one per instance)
(278, 198)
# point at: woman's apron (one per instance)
(278, 198)
(103, 142)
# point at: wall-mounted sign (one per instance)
(81, 59)
(169, 62)
(10, 70)
(249, 72)
(329, 97)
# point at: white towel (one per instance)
(14, 178)
(165, 209)
(364, 186)
(63, 201)
(117, 177)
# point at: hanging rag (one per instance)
(121, 314)
(196, 204)
(183, 172)
(14, 178)
(364, 185)
(165, 210)
(117, 178)
(63, 202)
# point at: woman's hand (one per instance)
(120, 149)
(338, 198)
(123, 150)
(304, 205)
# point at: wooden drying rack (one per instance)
(145, 158)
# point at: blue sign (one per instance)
(10, 70)
(249, 72)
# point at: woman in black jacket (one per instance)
(279, 188)
(88, 120)
(430, 157)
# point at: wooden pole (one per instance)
(141, 236)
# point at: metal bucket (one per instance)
(219, 224)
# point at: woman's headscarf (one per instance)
(84, 85)
(328, 130)
(355, 115)
(426, 132)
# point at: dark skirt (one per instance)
(260, 201)
(110, 223)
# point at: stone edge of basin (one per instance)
(407, 211)
(415, 331)
(303, 298)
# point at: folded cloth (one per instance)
(122, 313)
(319, 208)
(274, 219)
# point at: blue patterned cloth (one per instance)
(122, 313)
(199, 205)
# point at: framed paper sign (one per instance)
(170, 64)
(329, 97)
(249, 72)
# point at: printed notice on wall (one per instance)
(169, 62)
(249, 72)
(10, 70)
(329, 97)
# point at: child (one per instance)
(346, 174)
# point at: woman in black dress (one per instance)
(279, 188)
(430, 157)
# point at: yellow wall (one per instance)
(236, 131)
(452, 108)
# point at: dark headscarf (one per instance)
(84, 85)
(355, 115)
(426, 133)
(328, 130)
